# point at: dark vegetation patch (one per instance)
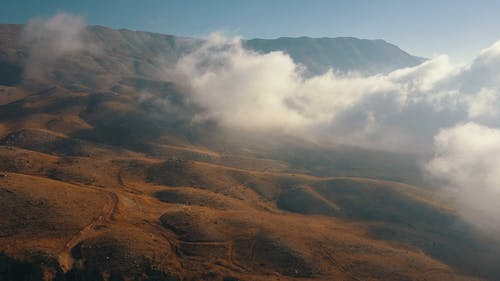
(190, 197)
(45, 142)
(107, 254)
(15, 270)
(33, 270)
(25, 215)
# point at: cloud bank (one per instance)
(467, 162)
(436, 108)
(50, 39)
(401, 110)
(451, 112)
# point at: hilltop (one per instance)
(104, 175)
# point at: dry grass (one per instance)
(94, 180)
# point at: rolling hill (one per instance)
(98, 182)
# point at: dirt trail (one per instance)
(231, 259)
(65, 259)
(125, 186)
(131, 204)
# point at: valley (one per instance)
(104, 175)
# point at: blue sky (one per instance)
(460, 28)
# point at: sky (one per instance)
(459, 28)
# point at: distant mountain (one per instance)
(121, 53)
(127, 52)
(344, 54)
(107, 173)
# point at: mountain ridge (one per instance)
(365, 56)
(105, 176)
(344, 54)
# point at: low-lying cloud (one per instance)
(401, 110)
(467, 162)
(436, 107)
(50, 39)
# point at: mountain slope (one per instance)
(99, 181)
(343, 54)
(144, 53)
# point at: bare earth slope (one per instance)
(98, 184)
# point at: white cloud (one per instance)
(468, 154)
(404, 110)
(50, 39)
(424, 77)
(238, 87)
(467, 162)
(485, 104)
(401, 110)
(244, 89)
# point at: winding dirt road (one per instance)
(65, 259)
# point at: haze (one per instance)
(210, 139)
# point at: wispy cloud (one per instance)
(50, 39)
